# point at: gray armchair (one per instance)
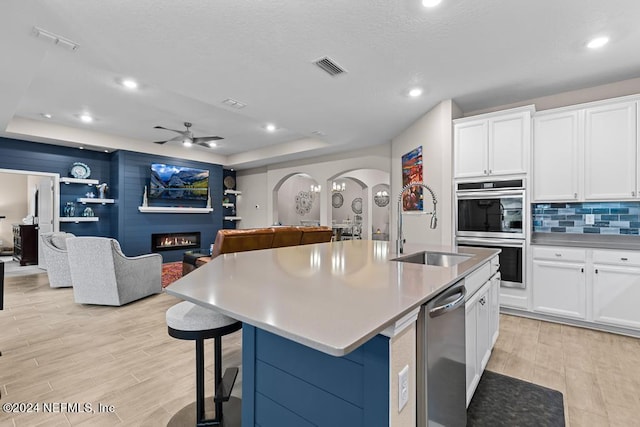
(102, 274)
(56, 258)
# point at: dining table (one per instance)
(338, 229)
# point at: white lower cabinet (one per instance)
(494, 308)
(616, 293)
(598, 286)
(559, 288)
(482, 311)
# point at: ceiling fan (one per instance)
(186, 137)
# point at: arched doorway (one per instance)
(297, 200)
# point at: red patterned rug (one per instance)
(171, 272)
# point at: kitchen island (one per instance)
(326, 326)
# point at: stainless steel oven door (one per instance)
(512, 258)
(494, 213)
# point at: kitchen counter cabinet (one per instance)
(597, 288)
(326, 326)
(559, 279)
(616, 288)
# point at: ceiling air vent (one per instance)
(329, 66)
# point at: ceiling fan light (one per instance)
(598, 42)
(212, 144)
(129, 84)
(187, 143)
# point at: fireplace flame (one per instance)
(175, 241)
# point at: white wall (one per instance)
(380, 216)
(14, 204)
(257, 185)
(286, 201)
(563, 99)
(433, 132)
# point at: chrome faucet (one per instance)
(434, 219)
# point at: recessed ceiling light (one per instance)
(46, 115)
(106, 151)
(212, 144)
(86, 118)
(81, 147)
(270, 127)
(130, 84)
(415, 92)
(598, 42)
(431, 3)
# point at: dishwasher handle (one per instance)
(439, 310)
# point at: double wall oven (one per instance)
(492, 214)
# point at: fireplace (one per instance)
(171, 241)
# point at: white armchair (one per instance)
(102, 274)
(56, 258)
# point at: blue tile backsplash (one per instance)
(609, 218)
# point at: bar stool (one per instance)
(188, 321)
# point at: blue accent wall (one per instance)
(126, 174)
(36, 157)
(289, 384)
(133, 228)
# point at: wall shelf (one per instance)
(228, 205)
(227, 191)
(68, 180)
(232, 218)
(77, 219)
(85, 200)
(169, 209)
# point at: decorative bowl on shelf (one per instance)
(80, 170)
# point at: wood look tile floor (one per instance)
(56, 351)
(598, 373)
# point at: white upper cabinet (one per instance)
(610, 152)
(555, 156)
(471, 145)
(508, 143)
(586, 153)
(492, 144)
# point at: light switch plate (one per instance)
(589, 219)
(403, 387)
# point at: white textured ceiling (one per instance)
(191, 55)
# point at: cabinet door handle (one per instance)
(490, 171)
(485, 171)
(596, 271)
(575, 195)
(633, 193)
(557, 254)
(624, 259)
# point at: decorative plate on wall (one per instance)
(229, 182)
(80, 170)
(337, 200)
(381, 200)
(356, 205)
(303, 203)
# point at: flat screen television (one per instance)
(178, 182)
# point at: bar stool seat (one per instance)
(188, 321)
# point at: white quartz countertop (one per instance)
(332, 297)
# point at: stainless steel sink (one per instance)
(441, 259)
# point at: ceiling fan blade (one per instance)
(181, 132)
(205, 139)
(177, 138)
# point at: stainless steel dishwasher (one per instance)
(441, 356)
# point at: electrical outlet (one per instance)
(403, 387)
(589, 219)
